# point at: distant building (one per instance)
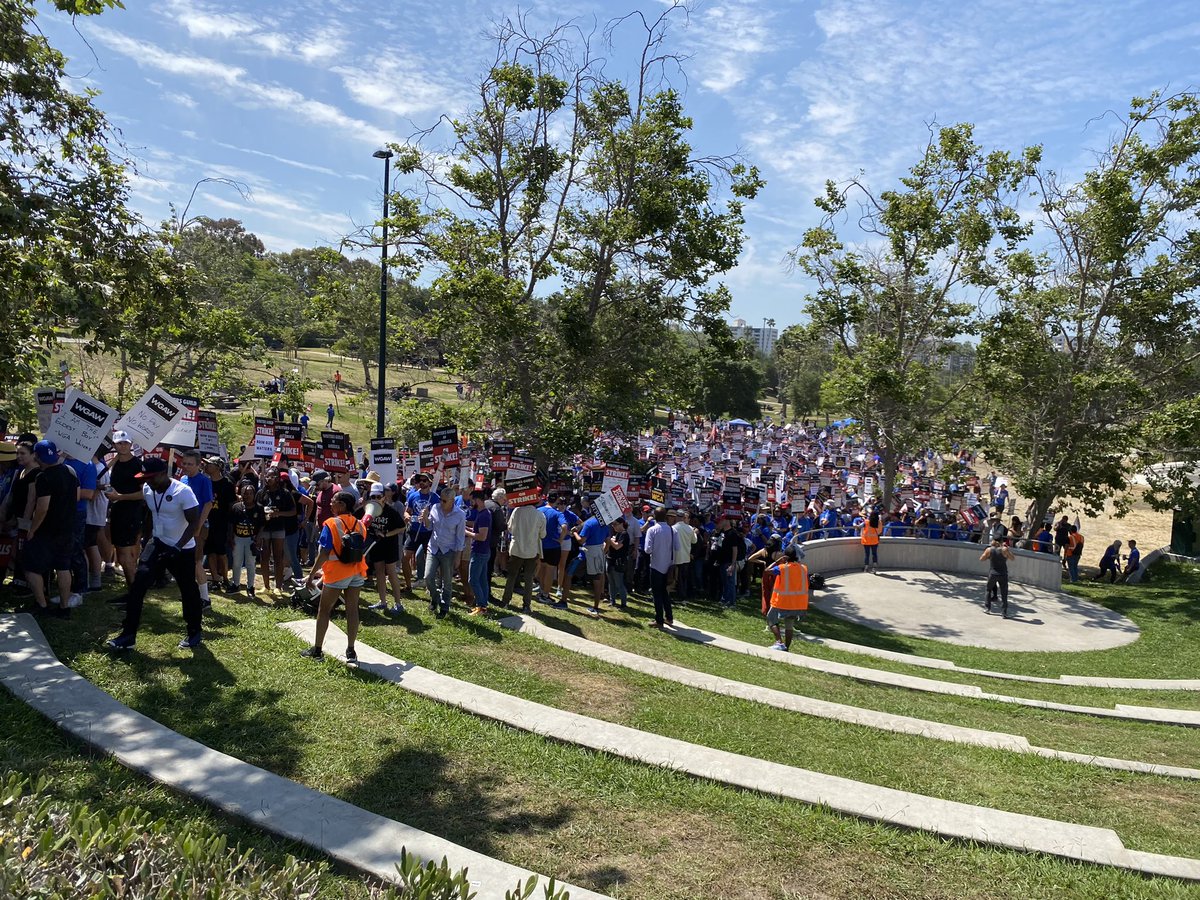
(762, 338)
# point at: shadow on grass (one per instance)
(417, 787)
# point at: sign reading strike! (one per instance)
(208, 441)
(151, 418)
(264, 437)
(81, 425)
(445, 445)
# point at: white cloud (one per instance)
(397, 86)
(179, 98)
(728, 38)
(244, 90)
(294, 163)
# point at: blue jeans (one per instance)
(616, 585)
(477, 577)
(1073, 568)
(728, 586)
(870, 552)
(292, 542)
(440, 567)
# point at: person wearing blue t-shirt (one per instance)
(201, 485)
(86, 473)
(592, 536)
(416, 538)
(556, 533)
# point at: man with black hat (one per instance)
(175, 513)
(51, 534)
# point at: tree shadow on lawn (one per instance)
(416, 786)
(212, 708)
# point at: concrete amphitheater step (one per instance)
(961, 821)
(929, 662)
(1156, 714)
(353, 836)
(825, 709)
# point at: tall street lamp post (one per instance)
(386, 156)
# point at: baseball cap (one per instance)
(121, 437)
(46, 452)
(151, 466)
(319, 475)
(215, 461)
(377, 490)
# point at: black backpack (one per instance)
(354, 545)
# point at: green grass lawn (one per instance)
(600, 821)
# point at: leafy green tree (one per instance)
(802, 359)
(70, 249)
(569, 223)
(1090, 361)
(890, 308)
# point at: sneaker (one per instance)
(205, 606)
(313, 653)
(191, 642)
(121, 642)
(75, 600)
(778, 645)
(235, 589)
(527, 609)
(558, 593)
(381, 606)
(590, 611)
(441, 613)
(398, 609)
(250, 592)
(351, 655)
(478, 611)
(559, 604)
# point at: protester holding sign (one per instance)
(126, 505)
(51, 533)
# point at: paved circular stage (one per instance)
(947, 607)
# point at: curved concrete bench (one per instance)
(946, 818)
(353, 836)
(1157, 714)
(933, 662)
(844, 554)
(825, 709)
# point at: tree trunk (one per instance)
(890, 464)
(366, 374)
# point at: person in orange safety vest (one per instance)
(789, 597)
(870, 541)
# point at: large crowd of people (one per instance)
(710, 509)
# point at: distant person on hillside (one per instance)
(999, 555)
(337, 380)
(1110, 562)
(329, 416)
(304, 425)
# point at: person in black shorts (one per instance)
(217, 538)
(126, 507)
(384, 556)
(51, 533)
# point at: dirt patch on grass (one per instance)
(591, 693)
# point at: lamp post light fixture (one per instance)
(386, 156)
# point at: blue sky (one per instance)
(292, 98)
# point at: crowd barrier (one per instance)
(831, 555)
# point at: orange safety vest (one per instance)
(791, 587)
(870, 536)
(332, 569)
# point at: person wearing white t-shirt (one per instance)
(176, 516)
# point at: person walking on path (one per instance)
(870, 542)
(661, 543)
(342, 562)
(999, 555)
(789, 596)
(175, 515)
(329, 417)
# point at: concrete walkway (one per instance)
(825, 709)
(947, 607)
(930, 662)
(353, 836)
(1159, 715)
(865, 801)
